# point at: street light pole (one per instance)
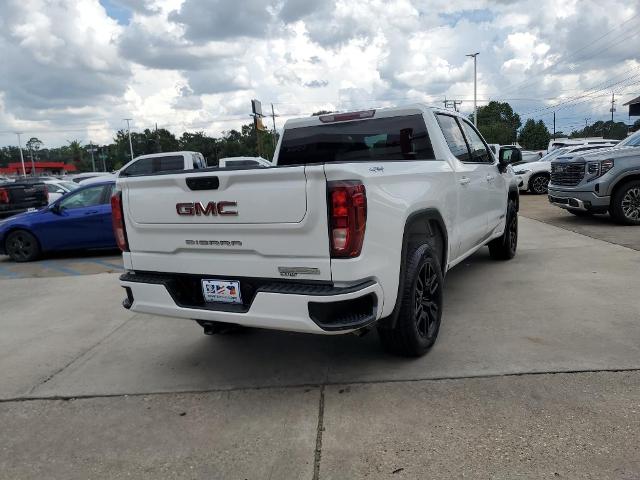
(475, 87)
(129, 130)
(93, 162)
(24, 172)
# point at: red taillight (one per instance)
(4, 195)
(117, 218)
(347, 218)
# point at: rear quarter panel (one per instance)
(395, 191)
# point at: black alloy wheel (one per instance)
(426, 297)
(22, 246)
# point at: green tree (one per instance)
(200, 142)
(498, 123)
(636, 126)
(534, 135)
(33, 145)
(608, 129)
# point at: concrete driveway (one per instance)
(501, 395)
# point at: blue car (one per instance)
(81, 219)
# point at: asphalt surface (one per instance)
(63, 265)
(602, 227)
(536, 374)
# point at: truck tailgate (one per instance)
(269, 223)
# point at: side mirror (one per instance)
(56, 208)
(406, 145)
(509, 155)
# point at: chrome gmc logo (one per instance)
(212, 208)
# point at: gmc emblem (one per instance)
(212, 208)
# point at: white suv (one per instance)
(354, 226)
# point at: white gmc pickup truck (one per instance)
(354, 226)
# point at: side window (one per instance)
(479, 150)
(144, 166)
(89, 197)
(52, 188)
(454, 137)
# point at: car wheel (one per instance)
(420, 311)
(539, 184)
(505, 246)
(625, 206)
(580, 213)
(22, 246)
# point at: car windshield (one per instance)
(631, 141)
(554, 154)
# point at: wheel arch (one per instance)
(514, 194)
(621, 182)
(427, 223)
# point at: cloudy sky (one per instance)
(73, 69)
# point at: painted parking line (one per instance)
(52, 266)
(107, 264)
(5, 272)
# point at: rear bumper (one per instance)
(290, 306)
(585, 201)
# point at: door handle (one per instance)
(91, 212)
(465, 181)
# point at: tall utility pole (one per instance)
(586, 120)
(24, 172)
(554, 125)
(613, 109)
(93, 162)
(129, 130)
(475, 87)
(273, 117)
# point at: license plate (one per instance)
(221, 291)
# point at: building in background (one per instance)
(41, 168)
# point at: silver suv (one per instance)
(606, 180)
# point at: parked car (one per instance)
(163, 162)
(22, 195)
(81, 219)
(575, 142)
(78, 177)
(57, 188)
(535, 175)
(233, 162)
(101, 178)
(603, 181)
(363, 214)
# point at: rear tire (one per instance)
(22, 246)
(539, 184)
(625, 204)
(420, 310)
(505, 246)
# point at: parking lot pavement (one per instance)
(573, 426)
(536, 313)
(235, 435)
(59, 265)
(566, 303)
(602, 227)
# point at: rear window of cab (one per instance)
(378, 139)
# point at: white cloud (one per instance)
(195, 64)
